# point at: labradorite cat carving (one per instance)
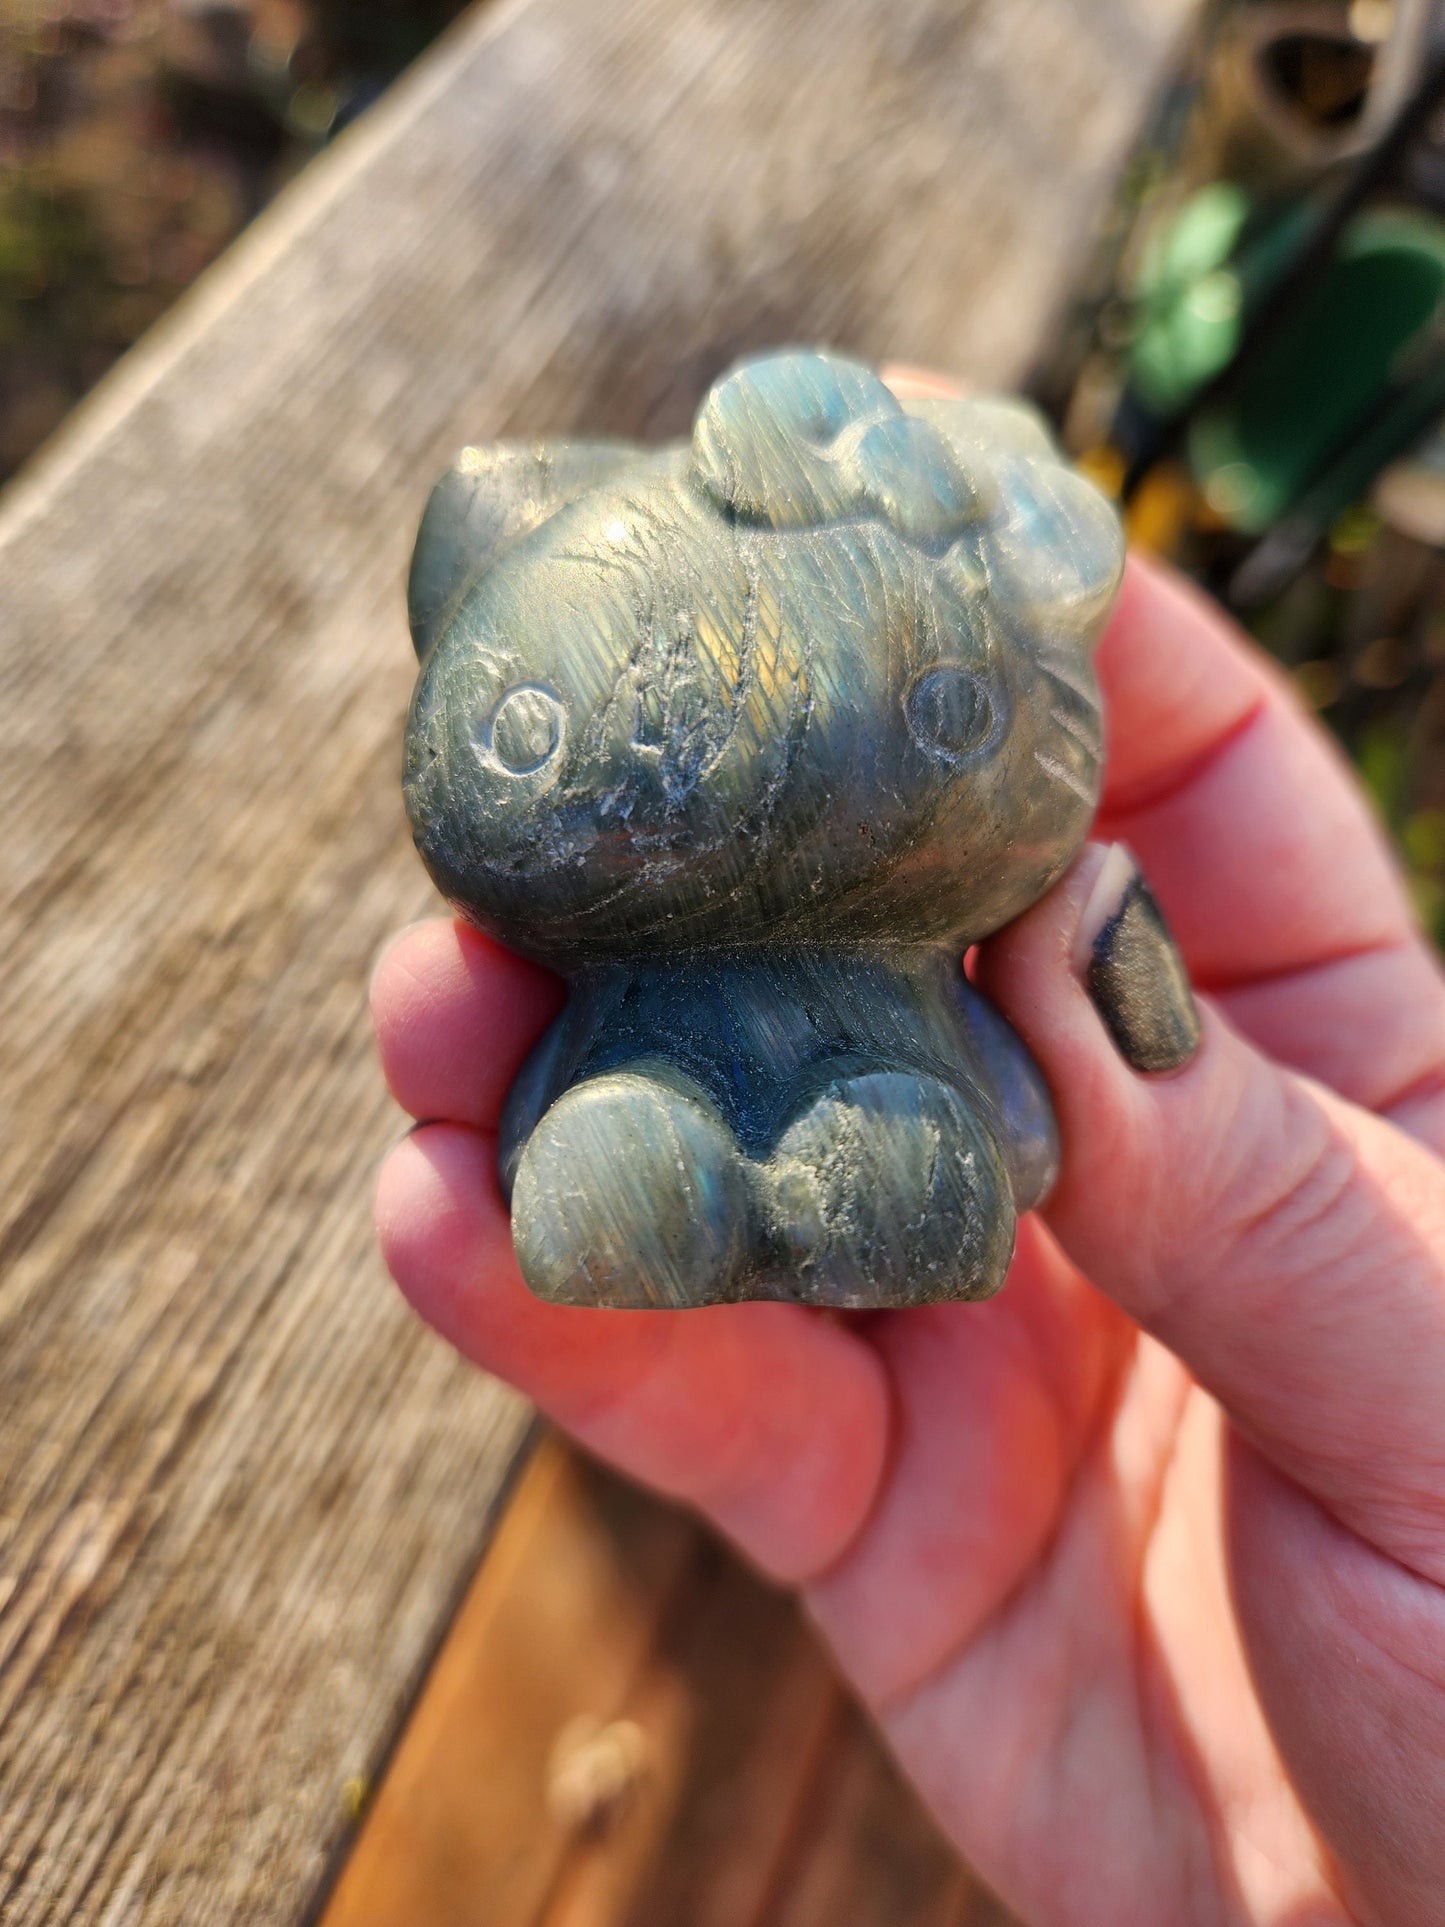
(750, 738)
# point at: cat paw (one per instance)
(631, 1192)
(887, 1190)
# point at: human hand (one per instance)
(1141, 1565)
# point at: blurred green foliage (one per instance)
(1257, 368)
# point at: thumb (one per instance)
(1287, 1246)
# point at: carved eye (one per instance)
(950, 712)
(525, 730)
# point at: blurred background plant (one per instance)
(137, 137)
(1255, 366)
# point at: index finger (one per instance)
(1275, 876)
(1242, 809)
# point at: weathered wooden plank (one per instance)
(559, 1624)
(238, 1490)
(759, 1797)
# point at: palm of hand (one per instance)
(1060, 1665)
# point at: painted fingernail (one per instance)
(1133, 973)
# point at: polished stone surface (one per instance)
(750, 738)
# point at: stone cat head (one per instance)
(821, 675)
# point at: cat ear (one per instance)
(1057, 552)
(1051, 543)
(798, 439)
(486, 500)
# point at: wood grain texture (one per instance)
(239, 1492)
(760, 1797)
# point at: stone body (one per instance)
(750, 738)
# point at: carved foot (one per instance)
(632, 1191)
(887, 1190)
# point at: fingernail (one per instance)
(1133, 973)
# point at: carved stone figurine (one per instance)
(750, 738)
